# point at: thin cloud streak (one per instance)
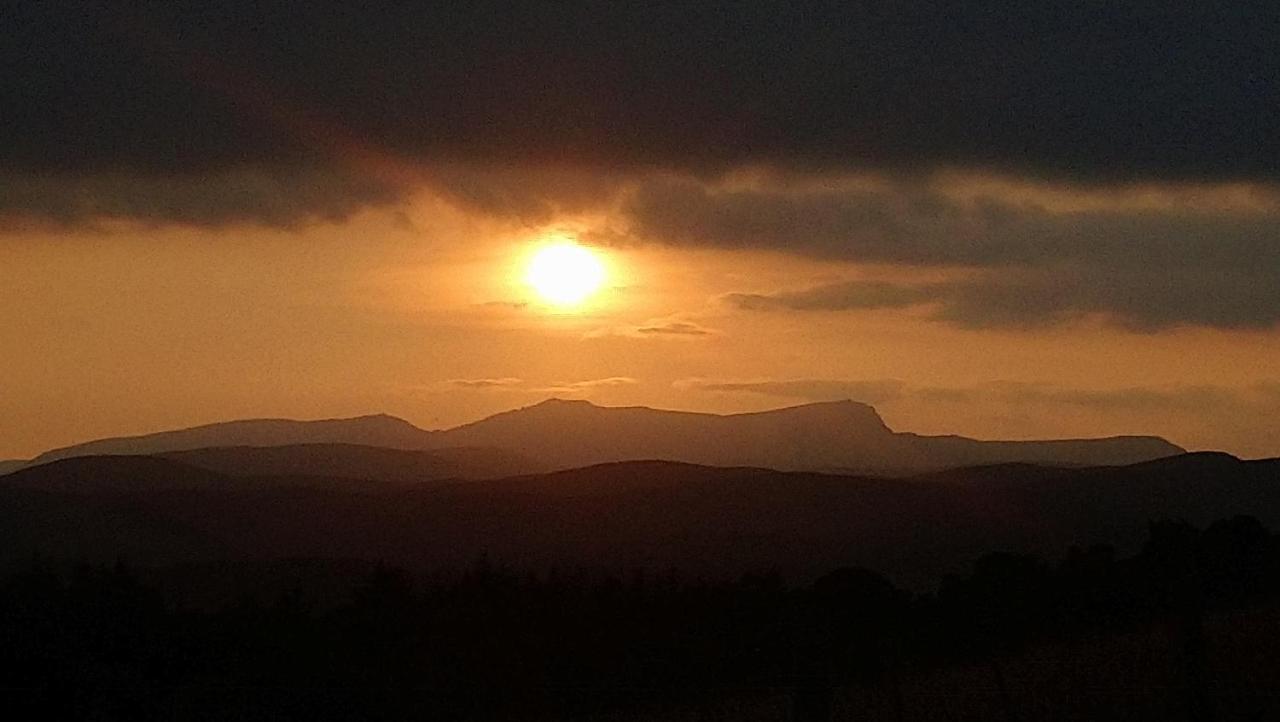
(577, 387)
(497, 383)
(658, 328)
(519, 385)
(872, 392)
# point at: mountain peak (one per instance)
(843, 412)
(556, 401)
(386, 420)
(836, 404)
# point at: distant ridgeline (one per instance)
(710, 522)
(843, 436)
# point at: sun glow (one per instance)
(565, 274)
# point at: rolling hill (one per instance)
(706, 521)
(376, 430)
(353, 461)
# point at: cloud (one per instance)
(189, 113)
(1137, 300)
(519, 385)
(845, 296)
(1143, 264)
(674, 328)
(928, 224)
(531, 193)
(505, 305)
(506, 382)
(872, 392)
(405, 93)
(671, 328)
(574, 387)
(278, 197)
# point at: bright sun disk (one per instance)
(565, 274)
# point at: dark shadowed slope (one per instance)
(350, 461)
(120, 474)
(842, 435)
(378, 430)
(87, 509)
(718, 522)
(101, 474)
(11, 465)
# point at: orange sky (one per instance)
(419, 309)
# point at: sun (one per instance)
(565, 274)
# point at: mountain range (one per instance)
(567, 484)
(841, 436)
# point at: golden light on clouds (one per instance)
(564, 274)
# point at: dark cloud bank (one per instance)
(1144, 268)
(278, 113)
(1089, 90)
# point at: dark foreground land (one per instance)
(1186, 629)
(239, 584)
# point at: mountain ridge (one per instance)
(390, 432)
(843, 436)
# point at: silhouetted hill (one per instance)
(353, 461)
(112, 474)
(126, 475)
(709, 521)
(87, 509)
(841, 436)
(577, 433)
(11, 465)
(838, 436)
(377, 430)
(942, 452)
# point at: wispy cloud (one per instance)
(518, 385)
(874, 391)
(571, 387)
(506, 382)
(1139, 300)
(674, 327)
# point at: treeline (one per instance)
(99, 643)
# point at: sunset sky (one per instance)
(1015, 220)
